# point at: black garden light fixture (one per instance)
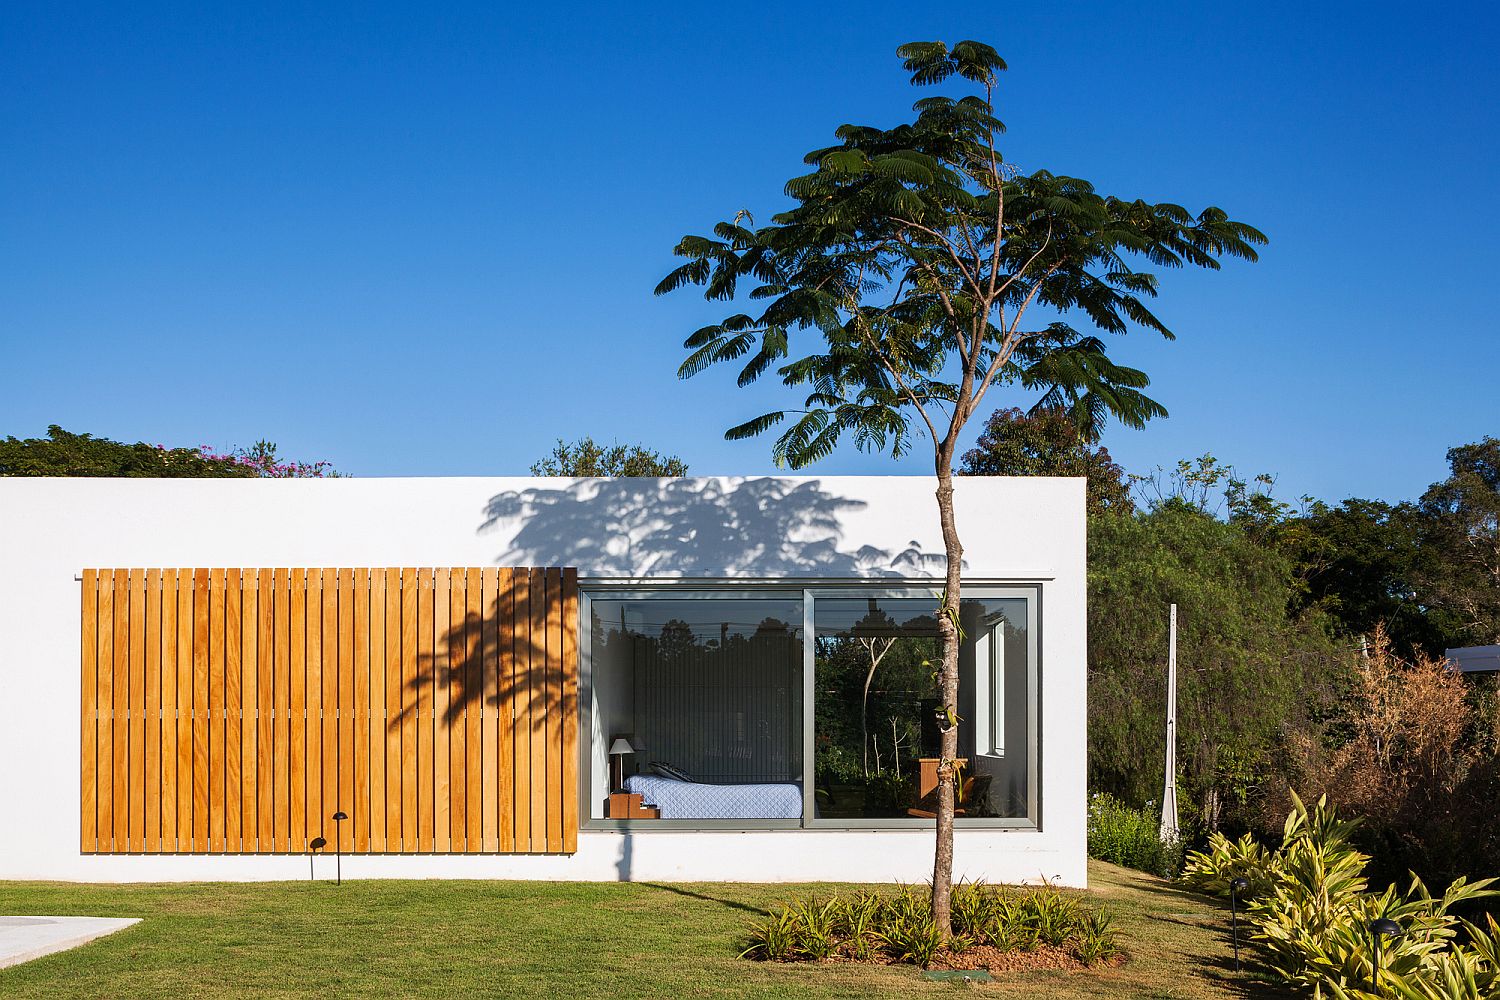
(316, 844)
(338, 844)
(1380, 929)
(1237, 887)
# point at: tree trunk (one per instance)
(942, 863)
(864, 706)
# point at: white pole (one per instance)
(1169, 786)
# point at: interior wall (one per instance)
(613, 714)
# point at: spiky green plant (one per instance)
(1094, 938)
(1313, 914)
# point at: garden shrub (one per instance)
(898, 926)
(1130, 837)
(1312, 910)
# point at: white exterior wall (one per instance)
(1014, 530)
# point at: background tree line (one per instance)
(1310, 644)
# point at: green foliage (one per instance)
(1048, 443)
(900, 926)
(1095, 937)
(1312, 912)
(1247, 665)
(908, 933)
(913, 254)
(1131, 837)
(1225, 860)
(1360, 561)
(586, 457)
(775, 938)
(62, 453)
(1460, 577)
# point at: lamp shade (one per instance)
(620, 746)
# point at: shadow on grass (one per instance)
(730, 903)
(1254, 980)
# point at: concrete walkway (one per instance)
(25, 938)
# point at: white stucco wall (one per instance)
(830, 527)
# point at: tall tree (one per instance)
(586, 457)
(1048, 442)
(1460, 579)
(915, 256)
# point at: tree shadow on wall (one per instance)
(492, 680)
(765, 527)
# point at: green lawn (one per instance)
(536, 939)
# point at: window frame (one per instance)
(807, 591)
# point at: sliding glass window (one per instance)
(756, 708)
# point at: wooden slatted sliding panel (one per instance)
(236, 710)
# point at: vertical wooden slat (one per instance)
(228, 801)
(345, 769)
(269, 705)
(375, 732)
(424, 674)
(521, 685)
(88, 751)
(537, 709)
(410, 709)
(330, 728)
(201, 719)
(121, 713)
(297, 715)
(395, 726)
(153, 711)
(105, 699)
(458, 731)
(569, 712)
(215, 802)
(489, 699)
(135, 694)
(169, 709)
(249, 706)
(187, 618)
(442, 829)
(554, 712)
(359, 721)
(505, 621)
(313, 640)
(473, 712)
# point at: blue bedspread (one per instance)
(692, 800)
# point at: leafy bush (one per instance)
(899, 926)
(1130, 837)
(1312, 910)
(1225, 860)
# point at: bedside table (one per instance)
(628, 805)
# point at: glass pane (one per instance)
(877, 725)
(707, 695)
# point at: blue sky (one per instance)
(421, 240)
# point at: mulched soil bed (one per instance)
(995, 960)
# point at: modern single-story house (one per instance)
(655, 679)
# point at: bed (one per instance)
(694, 800)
